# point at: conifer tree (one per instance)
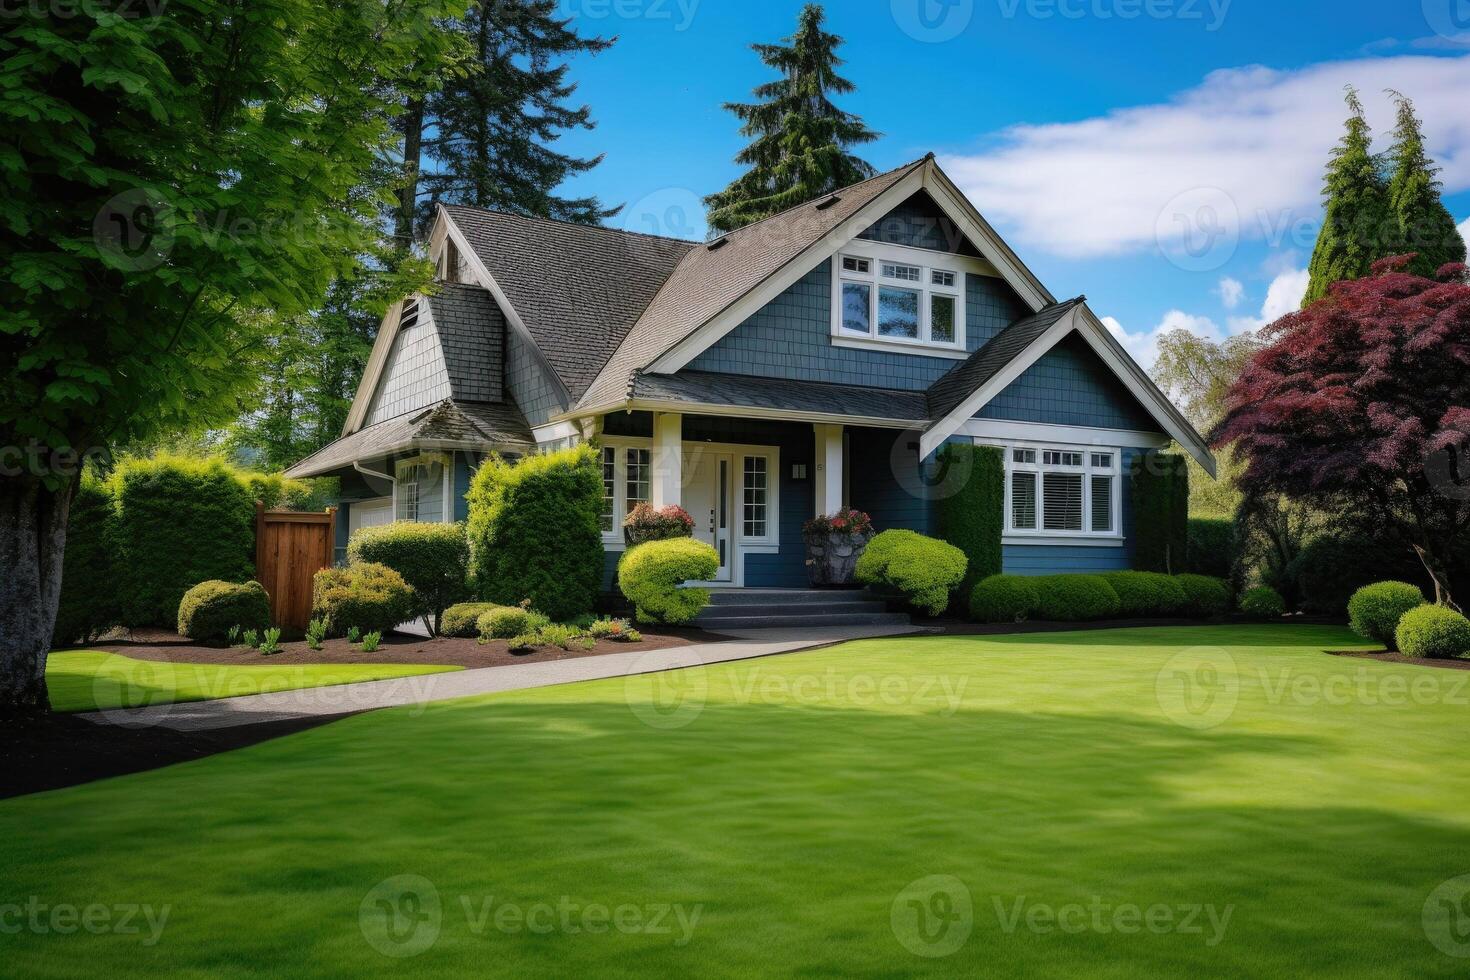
(800, 138)
(1424, 226)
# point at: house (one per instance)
(815, 359)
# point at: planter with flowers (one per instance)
(645, 523)
(833, 544)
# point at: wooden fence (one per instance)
(291, 547)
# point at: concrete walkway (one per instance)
(426, 688)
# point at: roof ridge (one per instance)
(796, 207)
(574, 224)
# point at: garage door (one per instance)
(369, 513)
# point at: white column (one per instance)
(668, 459)
(828, 488)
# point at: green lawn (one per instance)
(88, 680)
(1220, 802)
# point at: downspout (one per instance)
(392, 481)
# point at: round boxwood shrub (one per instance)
(651, 576)
(923, 570)
(1374, 610)
(432, 558)
(372, 597)
(1073, 598)
(461, 619)
(1207, 596)
(1263, 602)
(504, 622)
(209, 609)
(1003, 599)
(1434, 631)
(1147, 593)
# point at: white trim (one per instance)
(1086, 469)
(989, 430)
(899, 346)
(1092, 541)
(556, 430)
(879, 254)
(372, 372)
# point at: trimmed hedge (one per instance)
(91, 590)
(1003, 599)
(1073, 598)
(1374, 610)
(432, 558)
(651, 576)
(1207, 597)
(923, 570)
(1434, 631)
(507, 622)
(1211, 546)
(1147, 594)
(973, 518)
(1333, 566)
(278, 492)
(535, 531)
(372, 597)
(461, 618)
(1263, 602)
(1159, 484)
(210, 609)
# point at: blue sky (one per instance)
(1161, 156)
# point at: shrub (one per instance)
(1074, 598)
(504, 622)
(462, 619)
(272, 642)
(370, 641)
(316, 632)
(645, 523)
(366, 595)
(1003, 599)
(612, 629)
(432, 558)
(1208, 597)
(1333, 566)
(90, 578)
(973, 518)
(1147, 594)
(1374, 610)
(209, 609)
(1211, 543)
(180, 521)
(251, 638)
(1263, 602)
(535, 531)
(277, 492)
(924, 570)
(652, 575)
(1159, 485)
(1434, 631)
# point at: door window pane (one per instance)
(898, 312)
(855, 299)
(755, 496)
(1062, 501)
(941, 319)
(609, 486)
(639, 475)
(1023, 500)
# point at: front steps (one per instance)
(748, 609)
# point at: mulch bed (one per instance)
(1383, 656)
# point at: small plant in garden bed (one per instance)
(353, 634)
(504, 622)
(462, 619)
(251, 638)
(371, 640)
(234, 635)
(316, 632)
(272, 642)
(619, 630)
(645, 523)
(922, 569)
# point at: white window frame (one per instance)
(411, 464)
(1040, 533)
(928, 262)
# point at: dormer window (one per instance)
(915, 299)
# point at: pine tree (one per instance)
(1358, 217)
(801, 139)
(1423, 223)
(486, 135)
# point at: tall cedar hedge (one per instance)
(534, 531)
(972, 519)
(1160, 490)
(1212, 546)
(89, 584)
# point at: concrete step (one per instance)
(782, 608)
(788, 597)
(716, 623)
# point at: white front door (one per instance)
(708, 491)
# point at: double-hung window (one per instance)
(917, 299)
(1062, 491)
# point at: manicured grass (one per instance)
(1316, 801)
(89, 680)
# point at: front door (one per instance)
(708, 485)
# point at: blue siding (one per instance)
(415, 377)
(1070, 385)
(1041, 559)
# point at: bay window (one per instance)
(1067, 492)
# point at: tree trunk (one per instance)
(408, 194)
(1439, 574)
(32, 544)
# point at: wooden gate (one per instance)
(291, 547)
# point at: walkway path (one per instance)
(426, 688)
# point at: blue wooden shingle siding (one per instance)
(1070, 385)
(534, 391)
(919, 223)
(416, 376)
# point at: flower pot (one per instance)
(831, 556)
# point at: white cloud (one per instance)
(1144, 346)
(1464, 227)
(1282, 297)
(1230, 291)
(1260, 136)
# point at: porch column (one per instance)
(668, 459)
(828, 486)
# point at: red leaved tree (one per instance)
(1362, 400)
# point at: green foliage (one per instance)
(271, 643)
(973, 518)
(432, 558)
(316, 632)
(651, 576)
(1335, 564)
(1424, 226)
(1004, 599)
(923, 570)
(1147, 594)
(90, 594)
(354, 634)
(1075, 598)
(1208, 597)
(366, 595)
(801, 140)
(209, 610)
(1160, 488)
(251, 638)
(1374, 610)
(179, 522)
(232, 637)
(461, 618)
(612, 629)
(371, 640)
(1263, 602)
(504, 622)
(277, 492)
(1358, 223)
(1434, 631)
(535, 531)
(1212, 549)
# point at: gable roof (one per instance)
(991, 358)
(578, 289)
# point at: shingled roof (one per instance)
(578, 288)
(813, 397)
(966, 378)
(472, 338)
